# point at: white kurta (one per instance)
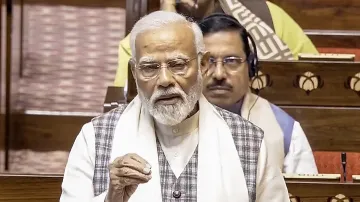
(299, 158)
(179, 142)
(270, 185)
(77, 185)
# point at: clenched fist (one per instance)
(126, 173)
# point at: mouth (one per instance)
(218, 90)
(168, 99)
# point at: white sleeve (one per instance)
(270, 183)
(77, 183)
(300, 158)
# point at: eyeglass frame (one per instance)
(212, 65)
(161, 65)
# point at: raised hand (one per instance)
(126, 173)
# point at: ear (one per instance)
(132, 65)
(204, 61)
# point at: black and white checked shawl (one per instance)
(247, 138)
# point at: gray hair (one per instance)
(159, 19)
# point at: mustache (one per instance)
(165, 92)
(219, 84)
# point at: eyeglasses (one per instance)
(177, 66)
(230, 64)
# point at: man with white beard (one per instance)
(170, 143)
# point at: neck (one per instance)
(235, 108)
(196, 109)
(183, 128)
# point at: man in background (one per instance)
(281, 38)
(232, 63)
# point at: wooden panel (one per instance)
(290, 177)
(2, 92)
(2, 143)
(329, 129)
(88, 3)
(153, 5)
(47, 132)
(135, 9)
(30, 188)
(323, 14)
(47, 188)
(334, 38)
(323, 128)
(282, 87)
(2, 131)
(2, 89)
(114, 96)
(356, 178)
(322, 191)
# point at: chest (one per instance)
(182, 188)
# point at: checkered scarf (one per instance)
(247, 139)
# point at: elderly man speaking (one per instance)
(170, 143)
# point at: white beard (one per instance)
(176, 113)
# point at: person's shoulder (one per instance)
(282, 20)
(111, 115)
(275, 9)
(239, 125)
(280, 112)
(125, 42)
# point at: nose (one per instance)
(166, 78)
(219, 71)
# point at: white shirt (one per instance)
(179, 142)
(300, 158)
(77, 183)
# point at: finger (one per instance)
(122, 180)
(130, 173)
(133, 161)
(127, 181)
(136, 162)
(119, 183)
(140, 160)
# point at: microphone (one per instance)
(343, 163)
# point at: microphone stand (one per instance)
(343, 163)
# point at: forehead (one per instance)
(170, 39)
(224, 43)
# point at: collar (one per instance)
(185, 127)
